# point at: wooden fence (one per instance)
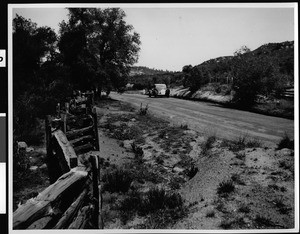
(73, 200)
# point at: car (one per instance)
(159, 90)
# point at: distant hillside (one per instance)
(280, 55)
(141, 70)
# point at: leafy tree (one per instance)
(39, 79)
(99, 47)
(249, 75)
(195, 77)
(186, 70)
(31, 46)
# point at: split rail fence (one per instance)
(73, 200)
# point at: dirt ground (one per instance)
(239, 184)
(262, 177)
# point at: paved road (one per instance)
(212, 118)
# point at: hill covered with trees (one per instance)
(267, 70)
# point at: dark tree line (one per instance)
(266, 71)
(94, 49)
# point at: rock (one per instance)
(133, 120)
(33, 168)
(284, 152)
(29, 149)
(117, 124)
(147, 155)
(135, 185)
(178, 170)
(43, 166)
(127, 144)
(171, 161)
(22, 145)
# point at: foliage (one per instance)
(143, 110)
(210, 214)
(208, 144)
(118, 180)
(195, 77)
(32, 45)
(39, 80)
(99, 47)
(263, 221)
(160, 207)
(285, 142)
(225, 187)
(248, 77)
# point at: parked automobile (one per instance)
(159, 90)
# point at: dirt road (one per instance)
(211, 118)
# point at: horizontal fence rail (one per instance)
(73, 199)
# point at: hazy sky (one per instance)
(174, 37)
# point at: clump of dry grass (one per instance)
(225, 187)
(285, 142)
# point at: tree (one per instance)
(99, 47)
(32, 45)
(195, 77)
(39, 79)
(249, 78)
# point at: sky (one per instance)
(175, 36)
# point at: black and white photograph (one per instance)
(153, 117)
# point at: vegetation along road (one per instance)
(214, 119)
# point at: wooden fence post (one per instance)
(95, 216)
(48, 131)
(51, 162)
(94, 114)
(58, 109)
(67, 106)
(101, 222)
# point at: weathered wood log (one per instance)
(95, 179)
(66, 147)
(40, 206)
(82, 218)
(64, 119)
(41, 223)
(51, 162)
(71, 211)
(84, 148)
(94, 114)
(81, 121)
(81, 140)
(101, 220)
(79, 132)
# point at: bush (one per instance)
(249, 75)
(285, 142)
(192, 171)
(263, 221)
(117, 181)
(225, 187)
(244, 208)
(242, 142)
(143, 110)
(209, 143)
(210, 214)
(252, 143)
(160, 207)
(138, 152)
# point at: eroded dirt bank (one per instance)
(238, 184)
